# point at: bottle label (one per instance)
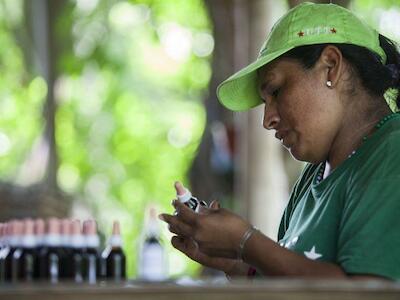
(78, 268)
(92, 269)
(152, 262)
(117, 261)
(29, 268)
(53, 268)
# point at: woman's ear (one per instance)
(331, 63)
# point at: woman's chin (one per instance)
(298, 154)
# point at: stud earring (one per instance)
(329, 83)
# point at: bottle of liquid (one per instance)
(77, 246)
(8, 251)
(91, 258)
(24, 257)
(18, 238)
(51, 254)
(4, 245)
(113, 256)
(186, 197)
(39, 231)
(152, 256)
(66, 270)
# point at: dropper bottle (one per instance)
(186, 197)
(3, 251)
(66, 270)
(18, 237)
(51, 255)
(77, 244)
(39, 232)
(9, 250)
(25, 257)
(152, 264)
(91, 255)
(113, 256)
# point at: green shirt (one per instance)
(352, 217)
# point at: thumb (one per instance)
(185, 245)
(215, 205)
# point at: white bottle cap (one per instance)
(182, 193)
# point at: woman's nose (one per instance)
(271, 117)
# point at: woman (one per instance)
(321, 76)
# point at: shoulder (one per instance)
(381, 154)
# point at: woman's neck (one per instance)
(355, 128)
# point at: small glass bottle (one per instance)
(25, 257)
(77, 245)
(186, 197)
(152, 257)
(51, 254)
(66, 266)
(113, 256)
(4, 246)
(91, 257)
(8, 251)
(39, 231)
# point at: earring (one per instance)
(329, 83)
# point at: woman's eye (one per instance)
(275, 93)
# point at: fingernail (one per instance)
(161, 217)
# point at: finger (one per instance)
(215, 205)
(185, 213)
(176, 226)
(186, 246)
(203, 209)
(181, 229)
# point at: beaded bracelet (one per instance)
(245, 237)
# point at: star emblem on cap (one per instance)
(300, 33)
(333, 30)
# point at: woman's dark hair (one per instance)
(375, 77)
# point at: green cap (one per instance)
(305, 24)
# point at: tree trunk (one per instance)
(43, 198)
(212, 170)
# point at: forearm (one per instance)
(273, 260)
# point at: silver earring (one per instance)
(329, 83)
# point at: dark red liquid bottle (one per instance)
(77, 247)
(24, 260)
(113, 256)
(52, 253)
(91, 257)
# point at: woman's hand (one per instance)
(189, 247)
(215, 231)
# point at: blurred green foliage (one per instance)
(130, 116)
(132, 75)
(384, 15)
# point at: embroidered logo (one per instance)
(317, 31)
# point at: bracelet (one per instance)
(245, 237)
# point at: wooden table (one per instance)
(208, 290)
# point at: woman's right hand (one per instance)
(189, 247)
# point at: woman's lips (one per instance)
(282, 137)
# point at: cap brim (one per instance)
(239, 92)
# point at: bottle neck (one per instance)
(52, 240)
(115, 241)
(92, 241)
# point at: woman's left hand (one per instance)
(217, 232)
